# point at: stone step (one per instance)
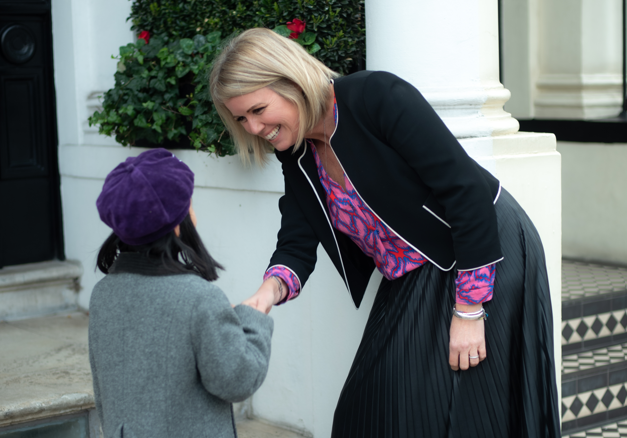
(612, 430)
(594, 350)
(38, 289)
(594, 388)
(594, 306)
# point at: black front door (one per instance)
(30, 226)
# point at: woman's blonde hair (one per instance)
(260, 58)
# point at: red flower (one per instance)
(144, 35)
(293, 36)
(297, 27)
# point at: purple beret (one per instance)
(146, 197)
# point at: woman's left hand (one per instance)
(467, 340)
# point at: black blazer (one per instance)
(407, 167)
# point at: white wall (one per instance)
(594, 184)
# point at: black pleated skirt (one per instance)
(401, 385)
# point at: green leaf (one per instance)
(199, 42)
(150, 105)
(181, 70)
(186, 111)
(313, 48)
(159, 117)
(187, 45)
(163, 54)
(171, 61)
(121, 67)
(171, 134)
(140, 58)
(307, 38)
(211, 134)
(283, 31)
(158, 84)
(213, 37)
(127, 50)
(140, 121)
(129, 109)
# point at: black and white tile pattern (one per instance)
(597, 401)
(594, 326)
(615, 430)
(594, 347)
(586, 360)
(581, 279)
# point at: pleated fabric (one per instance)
(401, 385)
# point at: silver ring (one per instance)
(473, 357)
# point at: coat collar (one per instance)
(136, 263)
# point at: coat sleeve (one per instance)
(401, 118)
(95, 382)
(297, 242)
(231, 346)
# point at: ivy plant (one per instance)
(161, 95)
(339, 24)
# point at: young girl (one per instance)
(168, 352)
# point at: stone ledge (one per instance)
(42, 409)
(37, 289)
(18, 277)
(44, 368)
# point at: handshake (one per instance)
(272, 291)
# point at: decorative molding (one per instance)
(578, 96)
(474, 112)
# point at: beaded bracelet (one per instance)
(479, 314)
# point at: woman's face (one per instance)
(266, 114)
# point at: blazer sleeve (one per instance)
(297, 242)
(401, 118)
(231, 346)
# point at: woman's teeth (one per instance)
(273, 134)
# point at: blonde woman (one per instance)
(374, 175)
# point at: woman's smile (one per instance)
(273, 134)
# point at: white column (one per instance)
(449, 51)
(580, 59)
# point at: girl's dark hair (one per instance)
(178, 254)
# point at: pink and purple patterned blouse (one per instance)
(393, 257)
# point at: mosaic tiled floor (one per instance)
(593, 359)
(592, 327)
(594, 350)
(596, 402)
(581, 279)
(616, 430)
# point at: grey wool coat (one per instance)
(169, 354)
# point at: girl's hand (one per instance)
(467, 338)
(266, 296)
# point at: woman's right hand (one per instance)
(266, 296)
